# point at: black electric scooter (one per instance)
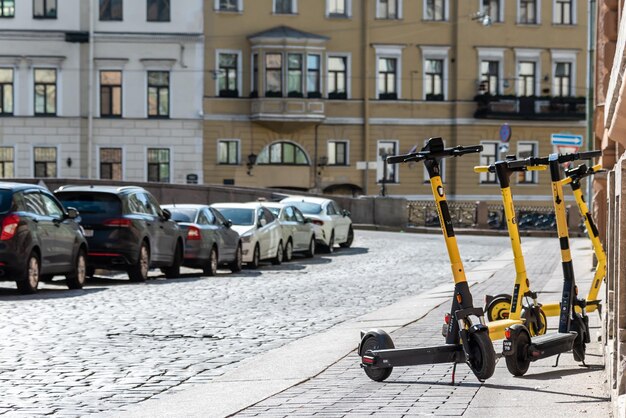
(466, 340)
(519, 349)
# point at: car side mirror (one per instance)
(72, 213)
(262, 222)
(167, 215)
(307, 220)
(228, 223)
(345, 212)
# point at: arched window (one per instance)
(283, 153)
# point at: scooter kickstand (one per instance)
(557, 360)
(453, 372)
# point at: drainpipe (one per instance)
(92, 11)
(454, 96)
(590, 91)
(366, 104)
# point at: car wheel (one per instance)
(256, 258)
(311, 251)
(331, 243)
(174, 270)
(138, 272)
(76, 278)
(349, 239)
(279, 254)
(28, 281)
(235, 266)
(210, 269)
(288, 251)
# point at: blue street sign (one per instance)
(567, 140)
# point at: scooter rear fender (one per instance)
(383, 339)
(515, 330)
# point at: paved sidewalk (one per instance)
(320, 375)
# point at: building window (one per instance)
(45, 9)
(7, 169)
(158, 10)
(273, 75)
(313, 79)
(489, 77)
(284, 6)
(387, 78)
(110, 94)
(228, 152)
(228, 5)
(7, 8)
(111, 10)
(338, 153)
(283, 153)
(433, 85)
(294, 75)
(386, 172)
(488, 156)
(526, 78)
(111, 163)
(158, 94)
(562, 80)
(255, 75)
(526, 150)
(528, 12)
(45, 161)
(492, 9)
(159, 165)
(337, 77)
(387, 9)
(45, 91)
(6, 91)
(563, 12)
(435, 10)
(337, 8)
(228, 79)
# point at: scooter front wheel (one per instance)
(482, 355)
(519, 362)
(580, 347)
(540, 325)
(498, 308)
(377, 374)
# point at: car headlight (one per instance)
(247, 238)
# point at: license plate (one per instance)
(507, 346)
(88, 232)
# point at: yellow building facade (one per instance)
(312, 94)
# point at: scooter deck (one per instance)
(551, 344)
(447, 353)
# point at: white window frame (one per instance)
(533, 174)
(98, 147)
(59, 91)
(32, 158)
(484, 177)
(574, 14)
(216, 7)
(348, 57)
(492, 54)
(440, 53)
(335, 141)
(14, 148)
(217, 67)
(538, 12)
(390, 51)
(99, 92)
(379, 163)
(217, 146)
(399, 7)
(171, 162)
(446, 11)
(294, 8)
(500, 8)
(524, 54)
(348, 10)
(568, 56)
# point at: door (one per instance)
(269, 234)
(341, 222)
(62, 234)
(165, 230)
(304, 230)
(230, 238)
(42, 227)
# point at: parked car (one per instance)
(126, 229)
(336, 225)
(298, 232)
(211, 242)
(39, 238)
(261, 235)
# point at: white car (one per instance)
(261, 234)
(334, 224)
(298, 231)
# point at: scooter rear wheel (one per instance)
(519, 362)
(482, 355)
(498, 308)
(377, 374)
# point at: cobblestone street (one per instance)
(115, 343)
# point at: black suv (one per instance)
(39, 238)
(126, 230)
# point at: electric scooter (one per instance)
(466, 340)
(519, 349)
(504, 310)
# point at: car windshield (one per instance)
(238, 216)
(307, 207)
(183, 215)
(5, 200)
(91, 203)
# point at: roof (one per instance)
(286, 32)
(185, 206)
(19, 186)
(249, 205)
(98, 189)
(318, 200)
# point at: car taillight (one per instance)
(119, 222)
(317, 222)
(193, 234)
(9, 227)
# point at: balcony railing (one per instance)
(287, 109)
(531, 107)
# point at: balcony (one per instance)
(291, 113)
(530, 108)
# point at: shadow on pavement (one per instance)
(534, 389)
(9, 294)
(553, 374)
(349, 251)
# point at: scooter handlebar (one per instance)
(442, 153)
(405, 158)
(484, 169)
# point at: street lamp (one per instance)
(251, 161)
